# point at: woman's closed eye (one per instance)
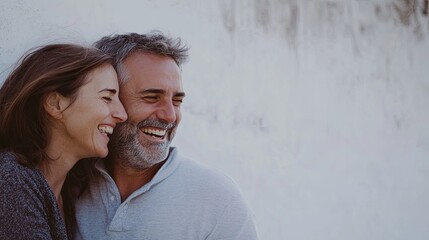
(107, 99)
(108, 93)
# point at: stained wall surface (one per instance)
(317, 108)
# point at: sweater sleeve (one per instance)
(22, 214)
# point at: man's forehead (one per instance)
(149, 71)
(146, 58)
(139, 84)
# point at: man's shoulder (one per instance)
(200, 169)
(199, 175)
(212, 191)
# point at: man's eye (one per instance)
(150, 98)
(177, 102)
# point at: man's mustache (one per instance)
(155, 123)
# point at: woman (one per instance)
(58, 106)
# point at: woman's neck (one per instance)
(55, 172)
(56, 168)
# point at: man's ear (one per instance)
(55, 103)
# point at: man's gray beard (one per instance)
(131, 152)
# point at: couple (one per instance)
(62, 103)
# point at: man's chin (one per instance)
(155, 157)
(136, 151)
(148, 156)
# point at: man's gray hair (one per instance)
(120, 46)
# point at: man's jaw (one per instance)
(142, 145)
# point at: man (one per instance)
(145, 189)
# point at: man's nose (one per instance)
(167, 112)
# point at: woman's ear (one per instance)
(55, 103)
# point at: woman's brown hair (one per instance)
(58, 68)
(53, 68)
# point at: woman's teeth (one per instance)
(105, 129)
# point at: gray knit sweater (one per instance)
(28, 209)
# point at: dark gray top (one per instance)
(28, 209)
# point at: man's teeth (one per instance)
(156, 132)
(106, 129)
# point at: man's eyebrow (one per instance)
(180, 94)
(111, 90)
(152, 90)
(160, 91)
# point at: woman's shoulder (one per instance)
(13, 173)
(20, 183)
(26, 202)
(8, 164)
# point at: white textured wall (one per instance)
(318, 109)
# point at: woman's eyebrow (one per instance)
(111, 90)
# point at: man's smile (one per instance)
(155, 132)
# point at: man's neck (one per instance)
(128, 179)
